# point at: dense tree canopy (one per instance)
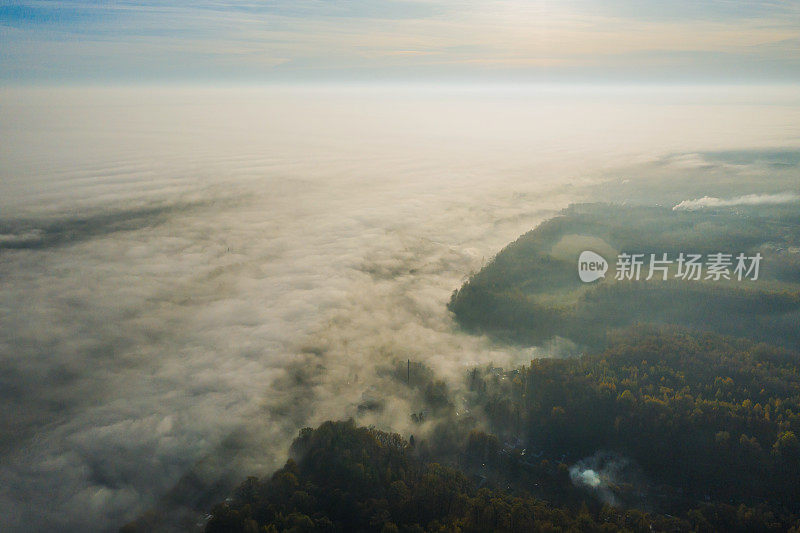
(531, 291)
(708, 425)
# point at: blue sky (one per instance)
(400, 40)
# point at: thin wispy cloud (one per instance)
(366, 39)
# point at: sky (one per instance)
(76, 41)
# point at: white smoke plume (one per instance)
(602, 473)
(748, 199)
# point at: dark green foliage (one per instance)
(715, 417)
(357, 479)
(531, 292)
(711, 423)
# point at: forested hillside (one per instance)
(672, 405)
(663, 429)
(359, 479)
(531, 291)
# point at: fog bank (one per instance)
(188, 274)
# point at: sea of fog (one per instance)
(190, 275)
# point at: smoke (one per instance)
(748, 199)
(190, 276)
(604, 474)
(588, 478)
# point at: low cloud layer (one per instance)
(188, 277)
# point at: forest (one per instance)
(665, 430)
(530, 291)
(671, 406)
